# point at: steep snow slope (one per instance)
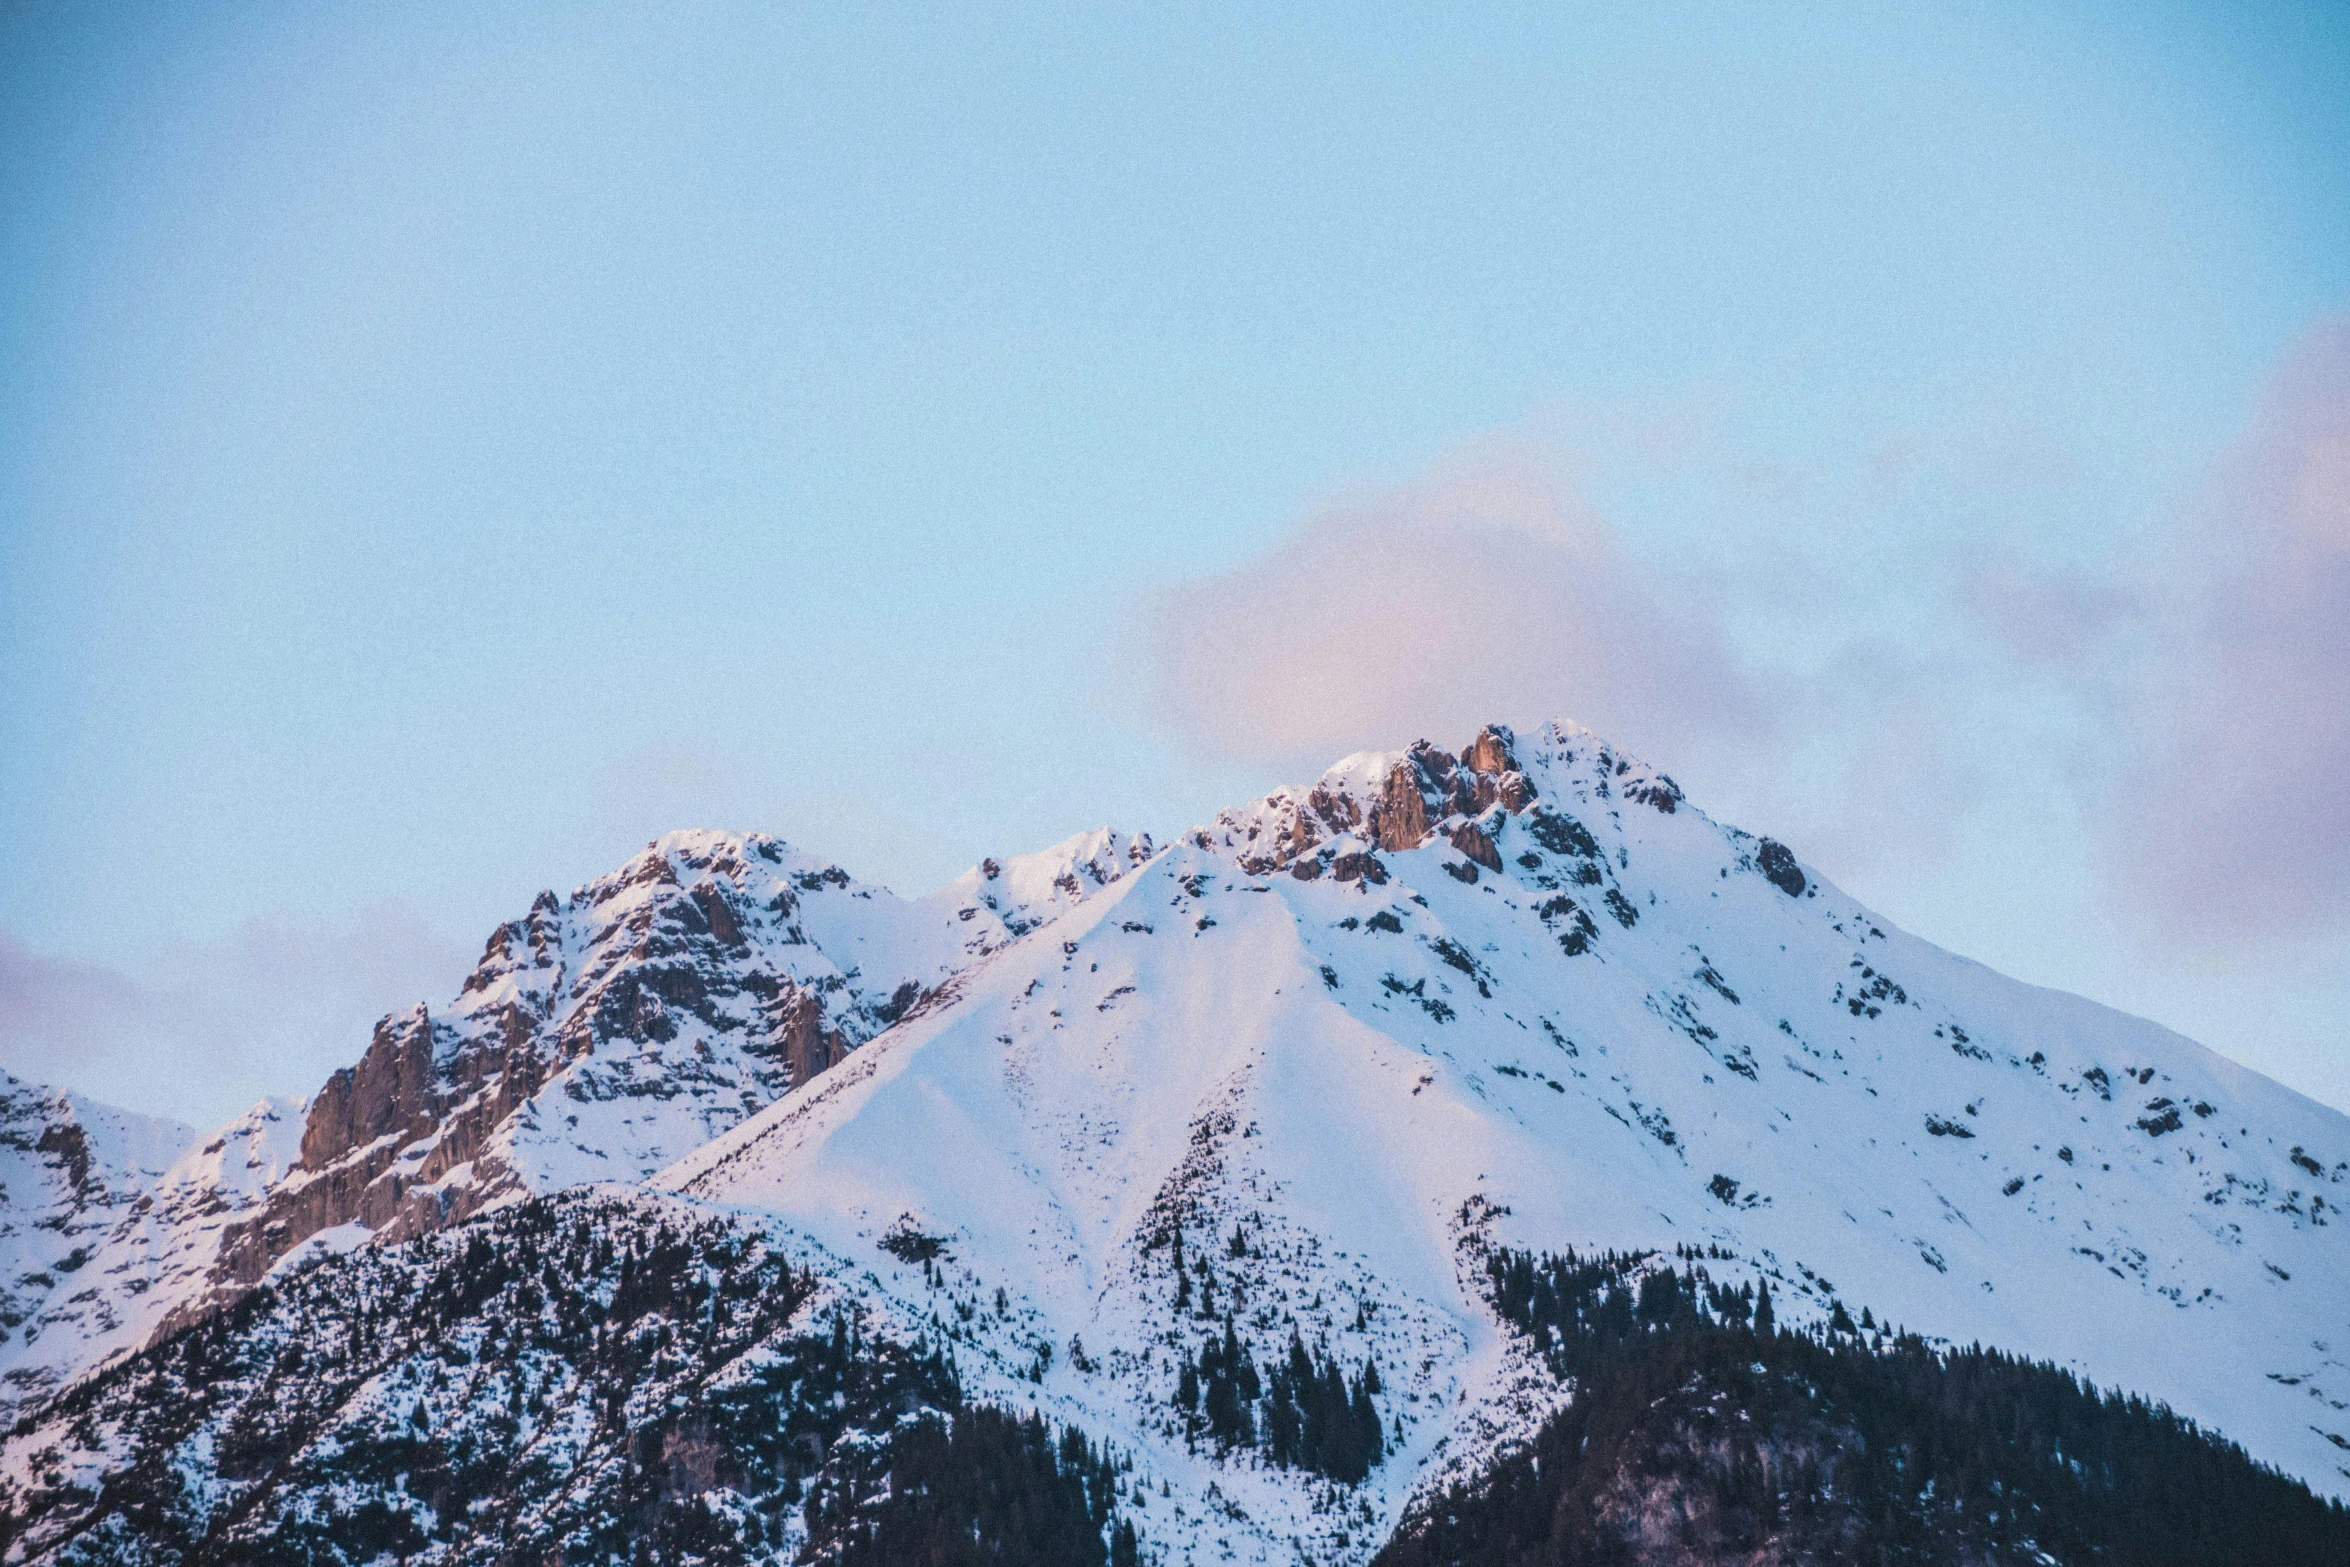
(158, 1249)
(1344, 1036)
(70, 1170)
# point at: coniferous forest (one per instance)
(1699, 1432)
(586, 1380)
(1305, 1413)
(987, 1487)
(1302, 1412)
(569, 1380)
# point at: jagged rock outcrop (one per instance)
(1399, 818)
(389, 1093)
(1475, 844)
(1372, 802)
(600, 1036)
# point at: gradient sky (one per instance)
(442, 446)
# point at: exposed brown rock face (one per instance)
(422, 1101)
(1400, 819)
(800, 1036)
(1495, 779)
(1303, 821)
(1493, 751)
(689, 981)
(1295, 842)
(1425, 790)
(389, 1092)
(1429, 785)
(1471, 840)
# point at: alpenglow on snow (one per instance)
(1276, 1093)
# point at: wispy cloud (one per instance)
(200, 1031)
(2048, 620)
(1487, 587)
(2231, 821)
(1866, 661)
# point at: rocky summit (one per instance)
(1477, 1156)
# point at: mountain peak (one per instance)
(1346, 1046)
(1112, 1120)
(1376, 801)
(601, 1035)
(1001, 900)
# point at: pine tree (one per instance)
(1281, 1423)
(1363, 1437)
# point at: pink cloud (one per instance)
(1486, 588)
(55, 1013)
(2233, 822)
(200, 1030)
(2045, 619)
(2192, 699)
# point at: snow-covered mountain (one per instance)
(1085, 1114)
(71, 1170)
(600, 1037)
(1008, 898)
(1347, 1035)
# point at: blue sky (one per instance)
(446, 445)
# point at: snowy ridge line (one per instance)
(1550, 980)
(1530, 982)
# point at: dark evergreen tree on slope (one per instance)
(1697, 1437)
(580, 1379)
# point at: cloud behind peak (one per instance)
(1486, 587)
